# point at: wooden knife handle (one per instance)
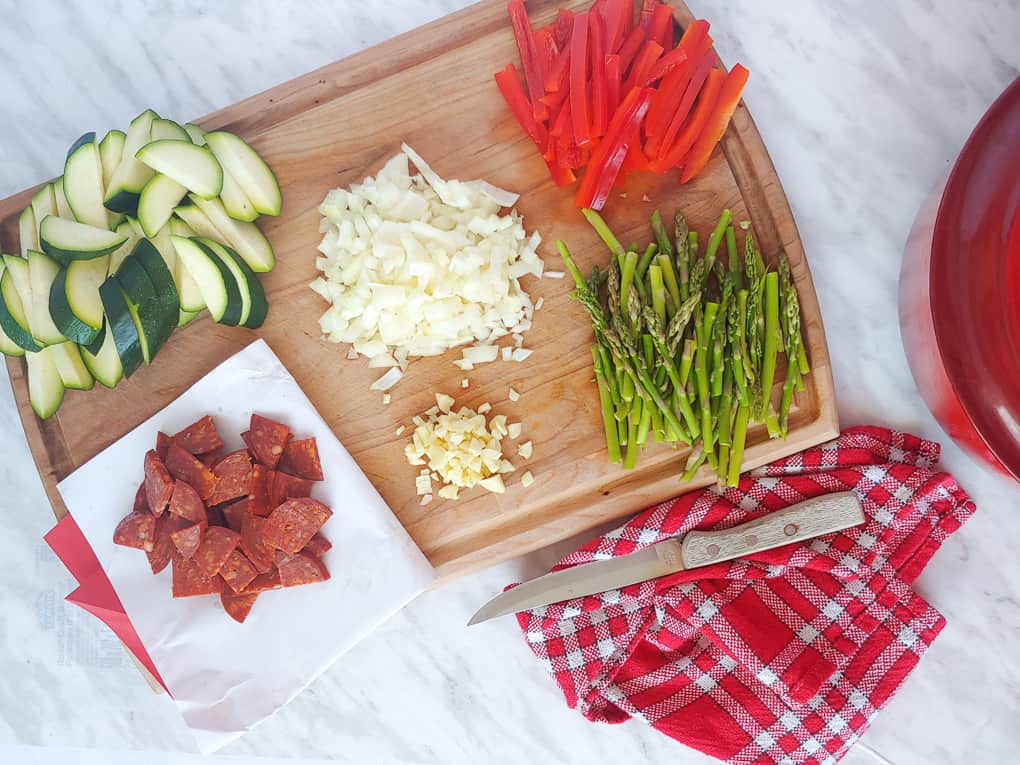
(805, 520)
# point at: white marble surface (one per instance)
(862, 104)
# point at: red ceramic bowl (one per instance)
(960, 292)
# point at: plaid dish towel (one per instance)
(785, 658)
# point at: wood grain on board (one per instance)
(433, 88)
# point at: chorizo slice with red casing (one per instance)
(234, 513)
(237, 571)
(159, 484)
(237, 606)
(138, 530)
(232, 477)
(186, 503)
(292, 525)
(253, 545)
(210, 459)
(285, 486)
(301, 458)
(163, 442)
(299, 569)
(184, 466)
(166, 525)
(266, 439)
(263, 582)
(199, 437)
(187, 540)
(188, 580)
(141, 504)
(261, 487)
(217, 544)
(317, 546)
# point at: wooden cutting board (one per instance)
(433, 88)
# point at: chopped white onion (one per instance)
(388, 380)
(520, 354)
(513, 395)
(527, 479)
(555, 274)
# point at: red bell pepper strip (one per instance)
(612, 83)
(561, 124)
(695, 87)
(510, 86)
(712, 133)
(671, 90)
(596, 38)
(560, 173)
(546, 50)
(617, 14)
(631, 45)
(562, 28)
(579, 80)
(558, 73)
(643, 64)
(702, 112)
(635, 159)
(530, 62)
(647, 9)
(607, 159)
(665, 65)
(659, 24)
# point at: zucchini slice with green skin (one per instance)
(187, 288)
(131, 238)
(63, 209)
(83, 185)
(157, 202)
(74, 301)
(65, 240)
(235, 202)
(111, 152)
(45, 388)
(42, 270)
(253, 297)
(148, 310)
(7, 346)
(44, 202)
(244, 237)
(186, 317)
(28, 231)
(159, 273)
(194, 167)
(13, 317)
(215, 282)
(130, 177)
(73, 372)
(84, 138)
(120, 327)
(196, 133)
(103, 361)
(197, 221)
(168, 130)
(255, 177)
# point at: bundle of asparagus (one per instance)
(687, 344)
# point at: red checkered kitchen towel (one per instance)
(785, 658)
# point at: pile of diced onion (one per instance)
(413, 265)
(460, 449)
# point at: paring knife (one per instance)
(805, 520)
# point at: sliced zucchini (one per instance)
(83, 185)
(7, 346)
(44, 202)
(160, 273)
(168, 130)
(111, 152)
(89, 137)
(131, 236)
(187, 287)
(166, 248)
(179, 228)
(73, 372)
(74, 301)
(155, 314)
(235, 201)
(28, 231)
(63, 209)
(197, 221)
(45, 388)
(215, 282)
(136, 227)
(185, 318)
(66, 240)
(120, 326)
(194, 167)
(253, 298)
(42, 270)
(157, 202)
(13, 316)
(130, 177)
(196, 133)
(242, 236)
(249, 169)
(103, 362)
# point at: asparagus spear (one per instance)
(716, 238)
(660, 341)
(772, 340)
(683, 248)
(737, 448)
(645, 260)
(735, 266)
(603, 231)
(791, 334)
(701, 361)
(606, 402)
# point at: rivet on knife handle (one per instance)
(805, 520)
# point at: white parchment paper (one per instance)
(226, 677)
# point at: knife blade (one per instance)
(812, 518)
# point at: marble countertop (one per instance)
(862, 105)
